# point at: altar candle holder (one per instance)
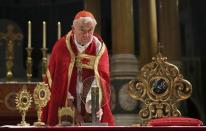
(44, 62)
(29, 64)
(44, 52)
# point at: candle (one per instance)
(44, 34)
(58, 30)
(29, 34)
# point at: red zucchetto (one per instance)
(83, 13)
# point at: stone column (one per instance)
(94, 6)
(123, 61)
(148, 30)
(170, 30)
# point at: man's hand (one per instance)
(99, 114)
(88, 107)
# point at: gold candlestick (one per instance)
(29, 51)
(41, 96)
(44, 62)
(23, 103)
(29, 64)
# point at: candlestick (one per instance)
(29, 64)
(29, 34)
(44, 62)
(58, 30)
(44, 34)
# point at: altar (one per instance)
(115, 128)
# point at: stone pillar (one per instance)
(123, 61)
(94, 6)
(148, 30)
(170, 30)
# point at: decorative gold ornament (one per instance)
(69, 114)
(160, 87)
(23, 103)
(41, 97)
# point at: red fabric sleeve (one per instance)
(105, 82)
(51, 68)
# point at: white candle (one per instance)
(44, 34)
(58, 30)
(29, 34)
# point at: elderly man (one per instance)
(76, 57)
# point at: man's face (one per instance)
(83, 32)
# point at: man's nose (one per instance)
(86, 34)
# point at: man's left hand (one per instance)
(99, 114)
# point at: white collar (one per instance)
(81, 48)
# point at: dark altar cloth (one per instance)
(114, 128)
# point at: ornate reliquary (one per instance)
(160, 87)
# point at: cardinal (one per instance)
(78, 59)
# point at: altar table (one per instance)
(115, 128)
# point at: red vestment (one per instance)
(62, 76)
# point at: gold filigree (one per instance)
(23, 103)
(41, 94)
(41, 97)
(66, 112)
(160, 87)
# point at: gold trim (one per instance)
(90, 61)
(96, 63)
(71, 65)
(48, 74)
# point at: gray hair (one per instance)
(85, 20)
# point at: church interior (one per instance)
(134, 31)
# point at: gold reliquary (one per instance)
(160, 87)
